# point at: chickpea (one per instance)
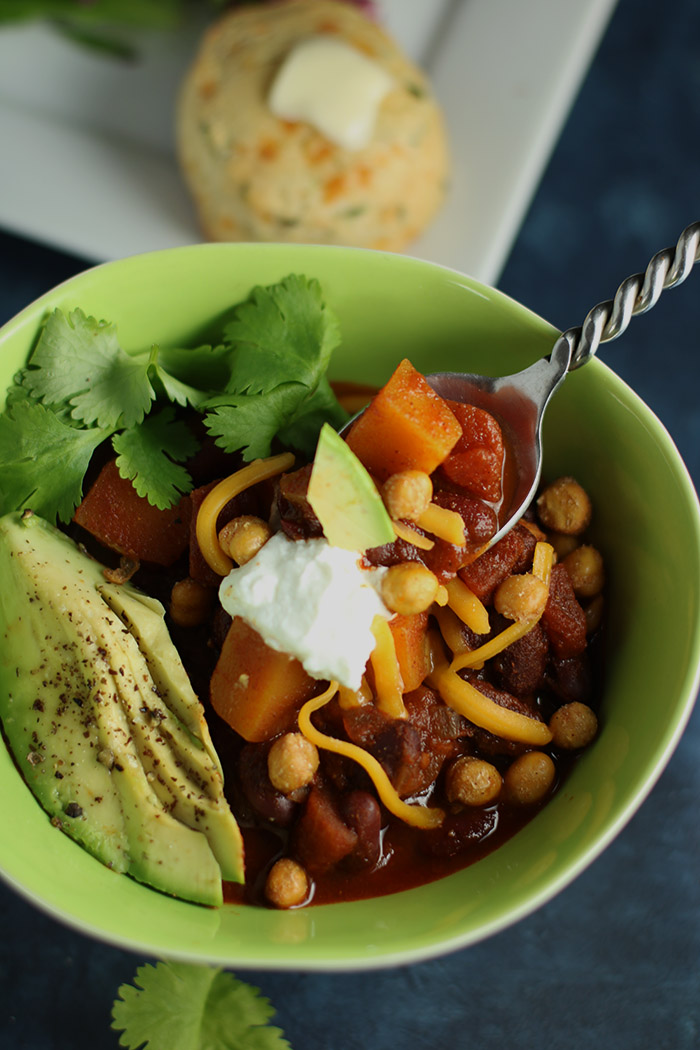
(242, 537)
(407, 494)
(190, 602)
(292, 762)
(521, 597)
(594, 613)
(573, 726)
(562, 544)
(586, 571)
(287, 884)
(473, 782)
(529, 778)
(564, 506)
(409, 588)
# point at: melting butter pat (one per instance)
(332, 86)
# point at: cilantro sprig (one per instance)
(178, 1006)
(150, 457)
(43, 460)
(79, 363)
(264, 380)
(283, 336)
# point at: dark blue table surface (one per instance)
(614, 960)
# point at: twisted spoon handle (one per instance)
(635, 295)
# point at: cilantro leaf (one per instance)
(177, 1006)
(270, 366)
(284, 333)
(149, 456)
(175, 389)
(42, 460)
(204, 367)
(251, 421)
(78, 361)
(321, 407)
(281, 340)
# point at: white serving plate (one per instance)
(86, 142)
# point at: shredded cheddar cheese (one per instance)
(215, 501)
(446, 524)
(348, 698)
(417, 816)
(405, 532)
(542, 568)
(476, 658)
(467, 606)
(388, 684)
(542, 561)
(451, 630)
(442, 597)
(467, 700)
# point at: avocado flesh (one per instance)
(144, 617)
(183, 769)
(344, 498)
(185, 780)
(72, 685)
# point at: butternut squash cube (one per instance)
(410, 640)
(115, 514)
(406, 426)
(257, 690)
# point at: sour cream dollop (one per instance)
(310, 600)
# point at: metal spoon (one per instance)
(519, 401)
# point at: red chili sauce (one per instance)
(335, 827)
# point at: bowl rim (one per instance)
(551, 887)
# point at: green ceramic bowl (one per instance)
(597, 429)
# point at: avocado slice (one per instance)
(122, 763)
(344, 498)
(179, 768)
(144, 618)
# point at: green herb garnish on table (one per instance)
(177, 1006)
(101, 25)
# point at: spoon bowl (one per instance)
(519, 401)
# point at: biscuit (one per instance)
(254, 177)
